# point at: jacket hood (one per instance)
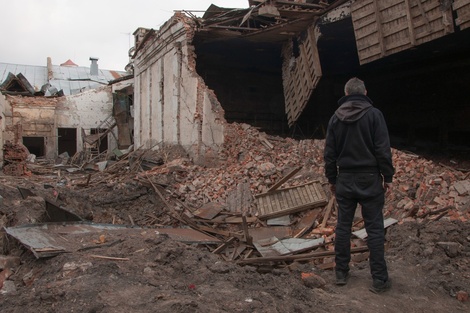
(353, 107)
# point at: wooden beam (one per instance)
(284, 179)
(298, 257)
(379, 28)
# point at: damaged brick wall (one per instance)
(40, 117)
(173, 105)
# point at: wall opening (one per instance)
(102, 140)
(67, 140)
(35, 145)
(247, 79)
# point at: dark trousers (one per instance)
(367, 190)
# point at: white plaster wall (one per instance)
(167, 106)
(87, 110)
(189, 127)
(2, 125)
(156, 114)
(212, 126)
(137, 113)
(145, 108)
(170, 108)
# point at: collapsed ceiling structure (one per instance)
(281, 65)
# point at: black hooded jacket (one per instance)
(357, 140)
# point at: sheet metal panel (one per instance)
(71, 80)
(50, 239)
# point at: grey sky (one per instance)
(33, 30)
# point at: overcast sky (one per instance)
(32, 30)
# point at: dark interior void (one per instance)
(103, 140)
(423, 92)
(35, 145)
(247, 79)
(67, 141)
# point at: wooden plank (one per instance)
(424, 22)
(460, 4)
(278, 198)
(327, 212)
(300, 200)
(306, 222)
(411, 30)
(300, 195)
(307, 194)
(315, 193)
(317, 71)
(298, 257)
(284, 179)
(378, 18)
(290, 201)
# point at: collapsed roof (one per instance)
(298, 54)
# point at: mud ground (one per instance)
(429, 263)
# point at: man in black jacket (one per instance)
(358, 166)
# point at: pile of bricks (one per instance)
(15, 156)
(422, 188)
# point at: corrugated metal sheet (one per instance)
(36, 75)
(71, 80)
(50, 239)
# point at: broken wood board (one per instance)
(271, 247)
(279, 221)
(51, 239)
(296, 257)
(290, 200)
(260, 233)
(240, 199)
(209, 210)
(284, 179)
(362, 233)
(306, 222)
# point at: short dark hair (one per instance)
(355, 86)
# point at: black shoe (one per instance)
(379, 286)
(341, 278)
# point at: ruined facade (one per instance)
(58, 109)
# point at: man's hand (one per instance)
(388, 188)
(333, 189)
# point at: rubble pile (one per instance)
(129, 222)
(15, 157)
(248, 156)
(422, 188)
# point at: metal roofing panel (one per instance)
(36, 75)
(50, 239)
(71, 80)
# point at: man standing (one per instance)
(358, 166)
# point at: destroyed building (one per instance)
(155, 231)
(53, 110)
(281, 67)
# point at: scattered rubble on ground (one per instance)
(261, 204)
